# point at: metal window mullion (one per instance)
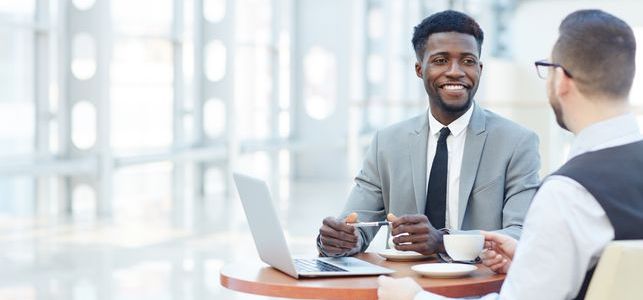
(198, 83)
(41, 100)
(63, 113)
(178, 82)
(358, 83)
(368, 91)
(105, 173)
(41, 80)
(232, 137)
(388, 56)
(178, 170)
(199, 73)
(406, 81)
(273, 118)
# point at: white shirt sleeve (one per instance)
(564, 234)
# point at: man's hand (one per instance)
(420, 235)
(336, 237)
(499, 251)
(397, 289)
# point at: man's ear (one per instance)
(418, 69)
(563, 83)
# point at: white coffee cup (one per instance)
(464, 247)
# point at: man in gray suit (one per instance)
(455, 167)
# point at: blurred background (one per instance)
(122, 120)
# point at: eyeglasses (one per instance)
(542, 68)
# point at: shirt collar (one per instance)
(604, 133)
(457, 127)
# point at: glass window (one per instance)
(375, 68)
(17, 86)
(142, 17)
(253, 91)
(284, 124)
(320, 82)
(17, 10)
(141, 94)
(254, 21)
(255, 62)
(214, 10)
(284, 70)
(83, 63)
(375, 23)
(214, 117)
(215, 60)
(83, 125)
(83, 4)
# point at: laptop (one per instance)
(271, 243)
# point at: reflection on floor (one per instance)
(72, 259)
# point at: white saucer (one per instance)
(397, 255)
(441, 270)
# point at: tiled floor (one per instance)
(67, 259)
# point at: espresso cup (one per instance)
(464, 247)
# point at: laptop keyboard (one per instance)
(315, 265)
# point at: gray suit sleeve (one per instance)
(521, 184)
(366, 198)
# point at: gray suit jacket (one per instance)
(498, 179)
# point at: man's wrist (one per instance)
(442, 232)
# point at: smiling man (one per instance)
(455, 167)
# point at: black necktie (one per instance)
(436, 195)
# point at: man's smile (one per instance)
(453, 86)
(453, 89)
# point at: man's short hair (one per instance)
(445, 21)
(599, 51)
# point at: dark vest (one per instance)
(614, 176)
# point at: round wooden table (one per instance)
(255, 277)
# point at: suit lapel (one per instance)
(473, 146)
(418, 138)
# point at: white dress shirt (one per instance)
(566, 229)
(455, 147)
